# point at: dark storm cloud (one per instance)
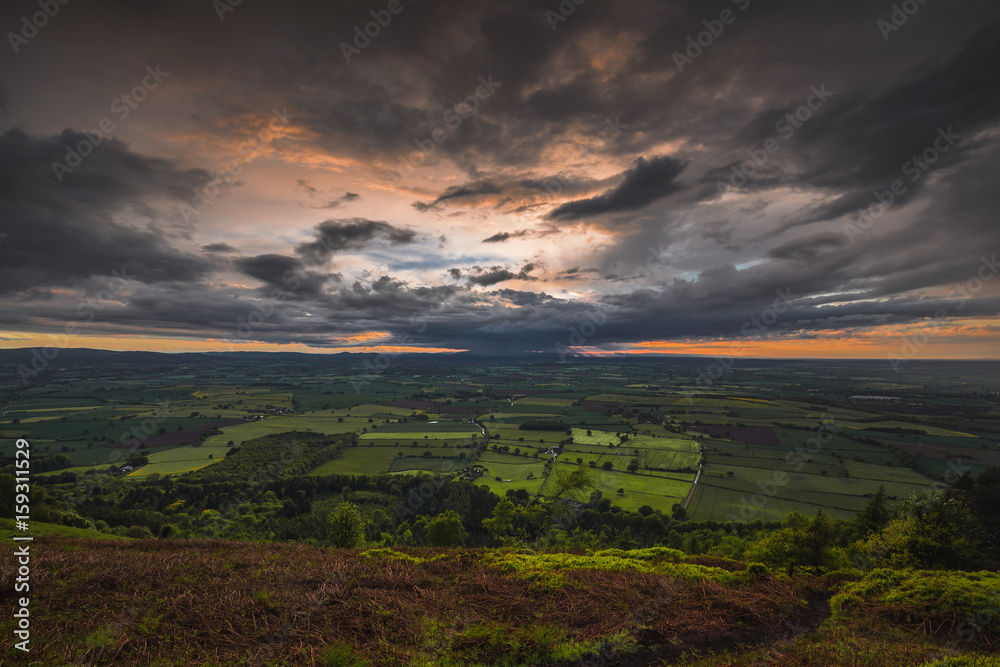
(460, 192)
(518, 154)
(647, 181)
(718, 231)
(500, 237)
(865, 139)
(808, 248)
(334, 236)
(284, 273)
(486, 277)
(93, 222)
(576, 273)
(513, 195)
(522, 298)
(218, 247)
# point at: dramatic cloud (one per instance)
(498, 274)
(218, 247)
(643, 184)
(461, 192)
(335, 236)
(284, 273)
(471, 155)
(500, 237)
(65, 228)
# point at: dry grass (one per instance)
(213, 602)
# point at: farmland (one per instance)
(642, 439)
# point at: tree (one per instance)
(929, 532)
(633, 465)
(446, 530)
(346, 526)
(568, 483)
(800, 541)
(608, 465)
(875, 514)
(501, 523)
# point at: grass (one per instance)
(430, 464)
(640, 489)
(545, 401)
(408, 436)
(357, 461)
(715, 503)
(181, 459)
(8, 531)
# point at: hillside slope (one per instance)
(186, 602)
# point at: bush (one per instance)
(139, 533)
(446, 530)
(346, 526)
(49, 514)
(928, 533)
(962, 604)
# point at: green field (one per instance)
(181, 459)
(357, 461)
(421, 435)
(635, 411)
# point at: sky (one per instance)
(741, 177)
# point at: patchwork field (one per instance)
(608, 418)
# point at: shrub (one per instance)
(962, 604)
(139, 533)
(346, 526)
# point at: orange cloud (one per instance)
(968, 340)
(161, 344)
